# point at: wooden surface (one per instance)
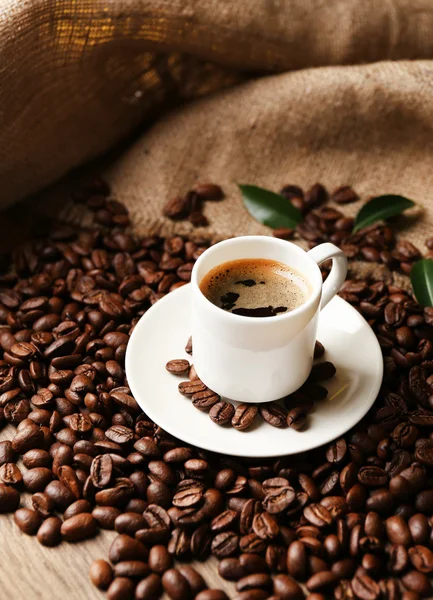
(29, 571)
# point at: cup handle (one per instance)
(338, 272)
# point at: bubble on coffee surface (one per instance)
(255, 287)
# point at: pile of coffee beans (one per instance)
(291, 411)
(190, 206)
(321, 223)
(350, 520)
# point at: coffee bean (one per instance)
(372, 476)
(318, 515)
(27, 520)
(244, 416)
(125, 547)
(287, 588)
(131, 568)
(296, 418)
(178, 366)
(129, 523)
(121, 588)
(149, 588)
(225, 544)
(189, 388)
(297, 561)
(175, 585)
(209, 191)
(78, 527)
(37, 479)
(10, 474)
(265, 526)
(76, 508)
(337, 451)
(398, 531)
(257, 580)
(159, 559)
(421, 558)
(193, 577)
(274, 414)
(365, 587)
(36, 458)
(222, 412)
(419, 528)
(417, 582)
(205, 400)
(279, 499)
(322, 371)
(49, 532)
(101, 574)
(9, 498)
(322, 581)
(105, 516)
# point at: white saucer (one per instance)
(161, 335)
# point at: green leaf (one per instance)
(421, 277)
(269, 208)
(380, 208)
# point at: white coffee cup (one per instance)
(252, 359)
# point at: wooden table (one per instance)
(29, 571)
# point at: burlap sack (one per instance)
(79, 75)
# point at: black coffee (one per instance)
(255, 287)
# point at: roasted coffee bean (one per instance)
(37, 479)
(175, 585)
(27, 520)
(320, 582)
(101, 574)
(195, 580)
(365, 587)
(279, 499)
(79, 527)
(296, 417)
(244, 416)
(49, 532)
(149, 588)
(397, 531)
(225, 544)
(257, 580)
(318, 515)
(9, 498)
(205, 400)
(159, 559)
(37, 458)
(129, 523)
(10, 474)
(421, 558)
(419, 528)
(417, 582)
(7, 455)
(322, 371)
(178, 366)
(287, 588)
(121, 588)
(297, 561)
(106, 516)
(189, 388)
(274, 414)
(131, 568)
(76, 508)
(265, 526)
(372, 476)
(222, 412)
(125, 547)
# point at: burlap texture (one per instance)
(79, 75)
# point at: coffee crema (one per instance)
(255, 287)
